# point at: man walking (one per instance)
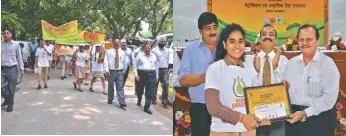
(146, 72)
(162, 55)
(128, 53)
(115, 62)
(11, 59)
(32, 51)
(138, 50)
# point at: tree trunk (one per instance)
(137, 25)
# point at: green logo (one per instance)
(238, 86)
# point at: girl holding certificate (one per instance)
(225, 80)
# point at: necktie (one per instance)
(117, 59)
(266, 72)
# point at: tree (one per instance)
(162, 9)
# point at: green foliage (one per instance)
(121, 18)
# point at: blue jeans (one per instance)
(147, 80)
(116, 76)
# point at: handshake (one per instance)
(251, 122)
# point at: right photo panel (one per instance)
(259, 68)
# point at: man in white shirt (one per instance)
(270, 66)
(146, 72)
(82, 64)
(314, 87)
(128, 53)
(50, 47)
(162, 55)
(42, 63)
(97, 68)
(114, 65)
(11, 64)
(134, 55)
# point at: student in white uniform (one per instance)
(224, 97)
(42, 63)
(82, 61)
(64, 59)
(50, 47)
(97, 68)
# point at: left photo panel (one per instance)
(87, 67)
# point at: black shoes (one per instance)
(45, 86)
(62, 77)
(48, 77)
(74, 85)
(104, 92)
(139, 103)
(91, 89)
(123, 105)
(154, 102)
(9, 109)
(4, 104)
(79, 89)
(38, 87)
(110, 102)
(148, 111)
(86, 84)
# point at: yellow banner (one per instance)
(94, 37)
(285, 15)
(63, 51)
(108, 45)
(61, 33)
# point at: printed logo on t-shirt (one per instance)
(238, 86)
(238, 90)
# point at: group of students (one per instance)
(222, 62)
(149, 67)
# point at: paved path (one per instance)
(62, 110)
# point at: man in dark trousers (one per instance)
(162, 55)
(11, 59)
(192, 72)
(146, 72)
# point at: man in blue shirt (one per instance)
(32, 51)
(196, 59)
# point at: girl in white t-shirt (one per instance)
(82, 64)
(225, 80)
(42, 63)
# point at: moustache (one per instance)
(267, 39)
(212, 35)
(305, 47)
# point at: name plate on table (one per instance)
(270, 102)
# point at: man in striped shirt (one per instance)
(314, 83)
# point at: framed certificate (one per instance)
(271, 102)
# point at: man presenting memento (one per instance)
(314, 85)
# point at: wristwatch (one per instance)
(304, 117)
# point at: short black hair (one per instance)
(220, 50)
(6, 28)
(266, 25)
(206, 18)
(317, 35)
(147, 44)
